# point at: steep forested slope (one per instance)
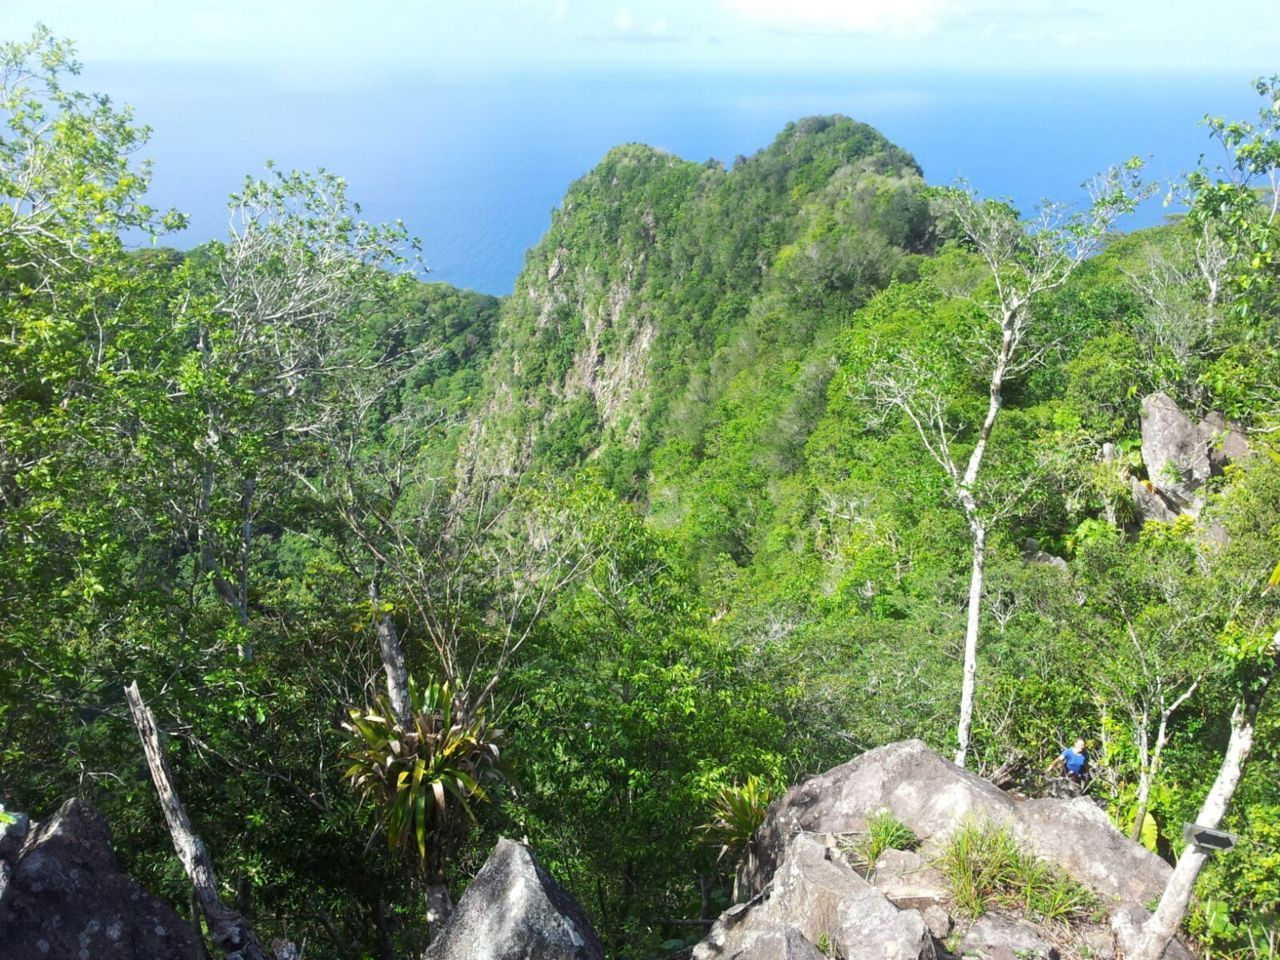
(659, 279)
(738, 551)
(705, 343)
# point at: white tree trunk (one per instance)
(969, 683)
(1151, 766)
(978, 528)
(1145, 772)
(1164, 923)
(393, 661)
(230, 931)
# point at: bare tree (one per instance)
(230, 931)
(1181, 287)
(1159, 930)
(1023, 262)
(275, 319)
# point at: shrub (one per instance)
(737, 813)
(420, 778)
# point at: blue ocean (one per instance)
(475, 166)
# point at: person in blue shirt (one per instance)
(1075, 761)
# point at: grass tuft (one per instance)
(988, 869)
(885, 832)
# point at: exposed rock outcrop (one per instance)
(999, 938)
(821, 898)
(907, 879)
(1032, 553)
(803, 879)
(1180, 455)
(1226, 442)
(1174, 450)
(67, 898)
(514, 910)
(931, 795)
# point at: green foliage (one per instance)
(423, 777)
(1239, 895)
(986, 870)
(737, 812)
(885, 832)
(739, 571)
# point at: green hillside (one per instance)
(756, 468)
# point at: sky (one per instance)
(342, 43)
(468, 118)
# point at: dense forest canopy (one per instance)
(694, 508)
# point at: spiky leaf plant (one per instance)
(421, 778)
(737, 813)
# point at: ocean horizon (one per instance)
(474, 166)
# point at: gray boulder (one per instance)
(937, 919)
(66, 897)
(1174, 450)
(1096, 941)
(920, 788)
(933, 796)
(755, 939)
(826, 898)
(996, 938)
(1077, 836)
(1032, 553)
(514, 910)
(1226, 441)
(1150, 502)
(827, 903)
(906, 879)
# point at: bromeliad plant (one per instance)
(737, 813)
(421, 778)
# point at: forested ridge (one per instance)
(755, 467)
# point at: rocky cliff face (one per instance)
(649, 267)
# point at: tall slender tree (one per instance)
(1023, 261)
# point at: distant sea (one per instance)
(474, 167)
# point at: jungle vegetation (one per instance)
(687, 511)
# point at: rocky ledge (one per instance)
(809, 895)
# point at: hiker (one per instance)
(1075, 762)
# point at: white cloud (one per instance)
(627, 28)
(895, 17)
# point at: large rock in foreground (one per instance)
(932, 796)
(920, 788)
(66, 898)
(817, 899)
(514, 910)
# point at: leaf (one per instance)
(1150, 832)
(1274, 580)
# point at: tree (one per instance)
(1245, 218)
(274, 313)
(1023, 261)
(1257, 660)
(1149, 623)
